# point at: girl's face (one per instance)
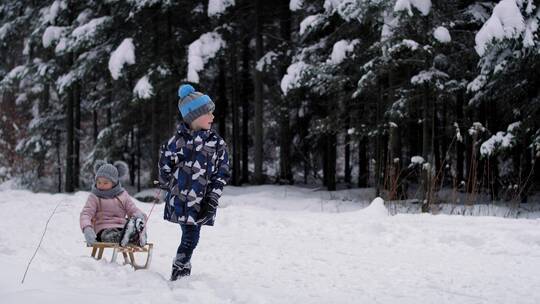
(103, 183)
(203, 122)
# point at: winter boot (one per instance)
(140, 236)
(180, 270)
(129, 230)
(132, 233)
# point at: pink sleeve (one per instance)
(88, 212)
(131, 209)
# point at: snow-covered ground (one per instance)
(276, 245)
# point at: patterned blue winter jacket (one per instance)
(195, 166)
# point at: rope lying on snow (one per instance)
(40, 241)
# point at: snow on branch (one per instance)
(218, 7)
(404, 44)
(428, 76)
(266, 60)
(424, 6)
(15, 74)
(124, 54)
(309, 22)
(49, 14)
(505, 22)
(81, 35)
(341, 50)
(367, 80)
(200, 51)
(140, 4)
(458, 135)
(442, 35)
(477, 83)
(499, 141)
(52, 34)
(143, 89)
(416, 161)
(296, 5)
(536, 143)
(347, 9)
(476, 129)
(89, 30)
(5, 29)
(293, 76)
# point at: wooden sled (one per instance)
(127, 252)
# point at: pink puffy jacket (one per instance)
(107, 212)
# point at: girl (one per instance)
(107, 207)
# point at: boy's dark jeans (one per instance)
(190, 239)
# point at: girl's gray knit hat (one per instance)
(112, 172)
(193, 104)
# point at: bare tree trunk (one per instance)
(155, 113)
(443, 127)
(58, 161)
(469, 144)
(222, 105)
(172, 97)
(347, 152)
(285, 173)
(154, 140)
(132, 157)
(77, 134)
(235, 116)
(43, 106)
(331, 147)
(394, 149)
(378, 141)
(426, 149)
(109, 116)
(329, 161)
(69, 142)
(363, 166)
(460, 145)
(258, 122)
(95, 126)
(171, 110)
(394, 162)
(138, 134)
(536, 168)
(246, 91)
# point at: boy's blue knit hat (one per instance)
(193, 104)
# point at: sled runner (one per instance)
(127, 252)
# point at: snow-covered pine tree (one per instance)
(335, 37)
(508, 85)
(27, 83)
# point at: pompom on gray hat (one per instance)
(112, 172)
(193, 104)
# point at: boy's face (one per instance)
(103, 183)
(203, 122)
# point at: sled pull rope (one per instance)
(156, 199)
(40, 241)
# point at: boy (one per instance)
(193, 168)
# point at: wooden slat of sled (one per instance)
(127, 253)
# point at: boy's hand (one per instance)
(208, 209)
(162, 185)
(90, 235)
